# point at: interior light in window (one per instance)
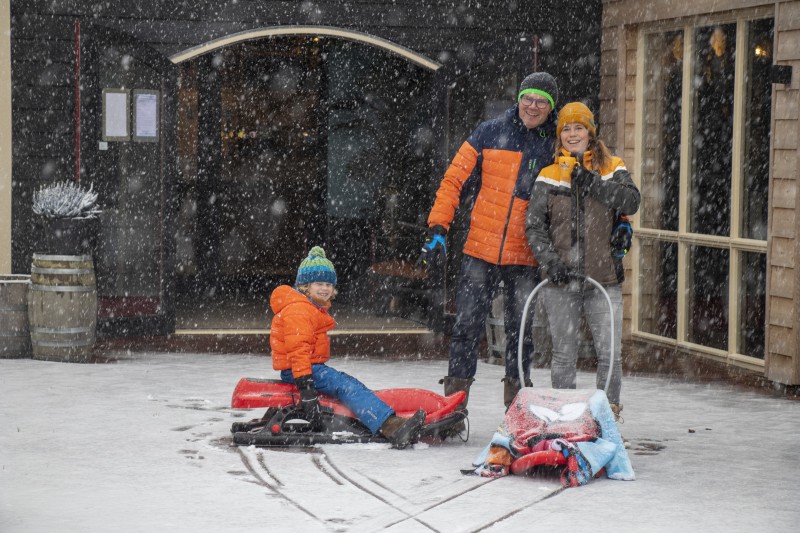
(677, 47)
(718, 41)
(763, 49)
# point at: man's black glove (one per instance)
(309, 401)
(583, 178)
(559, 274)
(434, 250)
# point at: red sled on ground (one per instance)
(571, 432)
(284, 425)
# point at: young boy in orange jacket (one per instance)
(301, 349)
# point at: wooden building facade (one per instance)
(278, 124)
(702, 100)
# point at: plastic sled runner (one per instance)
(283, 424)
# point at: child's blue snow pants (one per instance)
(370, 410)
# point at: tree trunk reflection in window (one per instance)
(708, 296)
(662, 130)
(712, 136)
(758, 114)
(658, 287)
(752, 304)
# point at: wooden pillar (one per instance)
(5, 137)
(209, 167)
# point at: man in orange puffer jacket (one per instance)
(493, 173)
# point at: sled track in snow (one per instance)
(433, 506)
(517, 510)
(416, 515)
(273, 483)
(318, 463)
(323, 464)
(458, 495)
(256, 463)
(398, 507)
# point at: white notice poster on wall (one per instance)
(115, 115)
(145, 117)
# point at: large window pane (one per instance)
(658, 287)
(709, 314)
(712, 130)
(708, 296)
(662, 130)
(758, 106)
(752, 304)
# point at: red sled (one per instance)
(283, 423)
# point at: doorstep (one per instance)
(417, 344)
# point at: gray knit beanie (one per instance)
(540, 83)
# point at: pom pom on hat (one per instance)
(540, 83)
(579, 113)
(315, 267)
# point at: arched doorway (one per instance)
(292, 140)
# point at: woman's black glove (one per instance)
(584, 178)
(621, 237)
(559, 274)
(309, 402)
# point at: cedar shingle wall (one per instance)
(783, 291)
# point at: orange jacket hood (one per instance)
(286, 295)
(299, 333)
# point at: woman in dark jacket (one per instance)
(569, 223)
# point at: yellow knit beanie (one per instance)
(576, 112)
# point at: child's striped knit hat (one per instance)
(315, 267)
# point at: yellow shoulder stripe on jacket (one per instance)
(551, 175)
(615, 165)
(608, 176)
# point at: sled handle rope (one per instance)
(525, 319)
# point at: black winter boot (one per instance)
(616, 408)
(403, 431)
(511, 388)
(453, 385)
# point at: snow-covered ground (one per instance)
(143, 445)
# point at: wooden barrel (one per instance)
(62, 307)
(15, 338)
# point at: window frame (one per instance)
(734, 242)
